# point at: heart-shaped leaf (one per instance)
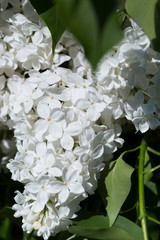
(118, 185)
(94, 23)
(54, 24)
(48, 12)
(97, 227)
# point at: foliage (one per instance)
(88, 21)
(118, 185)
(95, 24)
(92, 222)
(97, 227)
(115, 213)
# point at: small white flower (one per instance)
(71, 183)
(42, 189)
(49, 122)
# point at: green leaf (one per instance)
(5, 230)
(81, 20)
(146, 14)
(111, 34)
(96, 33)
(41, 5)
(28, 236)
(54, 24)
(130, 227)
(97, 228)
(118, 185)
(7, 212)
(154, 235)
(153, 224)
(151, 194)
(103, 10)
(94, 23)
(152, 187)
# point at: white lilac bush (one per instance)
(67, 118)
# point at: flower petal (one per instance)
(82, 103)
(98, 152)
(43, 196)
(57, 186)
(41, 149)
(55, 130)
(57, 114)
(67, 142)
(76, 188)
(38, 207)
(74, 128)
(63, 195)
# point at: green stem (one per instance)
(128, 151)
(72, 237)
(153, 220)
(142, 210)
(152, 169)
(153, 151)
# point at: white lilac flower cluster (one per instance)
(66, 119)
(129, 80)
